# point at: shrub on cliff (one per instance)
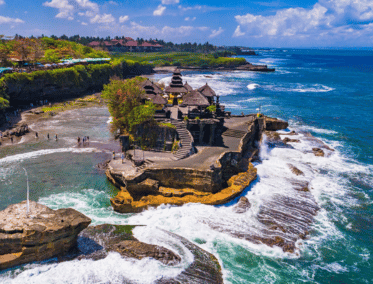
(124, 99)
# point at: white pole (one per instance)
(28, 193)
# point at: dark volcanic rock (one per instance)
(242, 206)
(295, 170)
(43, 234)
(318, 152)
(139, 250)
(287, 140)
(274, 124)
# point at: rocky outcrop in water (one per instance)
(43, 234)
(96, 242)
(274, 124)
(318, 152)
(119, 238)
(242, 206)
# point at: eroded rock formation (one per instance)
(124, 202)
(43, 234)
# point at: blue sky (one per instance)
(257, 23)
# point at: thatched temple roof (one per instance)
(146, 84)
(188, 87)
(159, 100)
(195, 98)
(207, 91)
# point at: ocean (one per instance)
(326, 93)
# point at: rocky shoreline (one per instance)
(245, 67)
(45, 233)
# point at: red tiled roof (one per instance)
(108, 43)
(131, 43)
(128, 38)
(94, 43)
(146, 44)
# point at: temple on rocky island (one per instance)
(201, 153)
(199, 109)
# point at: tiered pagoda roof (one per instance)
(176, 85)
(148, 83)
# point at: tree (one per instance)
(125, 105)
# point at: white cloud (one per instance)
(190, 19)
(170, 2)
(238, 32)
(102, 19)
(327, 18)
(113, 3)
(86, 4)
(7, 20)
(159, 11)
(84, 24)
(123, 19)
(215, 33)
(64, 8)
(197, 7)
(137, 30)
(2, 2)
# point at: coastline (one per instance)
(246, 67)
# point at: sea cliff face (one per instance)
(59, 84)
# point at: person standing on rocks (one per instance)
(78, 140)
(48, 136)
(36, 135)
(11, 139)
(122, 156)
(113, 155)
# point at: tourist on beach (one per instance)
(11, 139)
(113, 155)
(36, 135)
(48, 136)
(122, 156)
(78, 140)
(56, 137)
(87, 138)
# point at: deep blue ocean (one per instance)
(327, 93)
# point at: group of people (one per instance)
(48, 137)
(85, 140)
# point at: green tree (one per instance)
(125, 104)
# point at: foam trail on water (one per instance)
(34, 154)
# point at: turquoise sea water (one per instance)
(325, 92)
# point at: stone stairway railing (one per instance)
(186, 140)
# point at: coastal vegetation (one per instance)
(180, 59)
(43, 50)
(124, 99)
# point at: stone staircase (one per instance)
(186, 140)
(234, 133)
(146, 163)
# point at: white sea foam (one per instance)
(35, 154)
(252, 86)
(112, 269)
(300, 88)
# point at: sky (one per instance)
(256, 23)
